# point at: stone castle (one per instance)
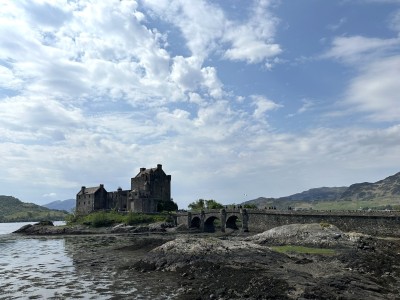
(149, 188)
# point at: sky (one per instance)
(236, 99)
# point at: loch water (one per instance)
(73, 267)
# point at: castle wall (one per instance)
(90, 199)
(144, 205)
(118, 200)
(150, 186)
(84, 205)
(147, 188)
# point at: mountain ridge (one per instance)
(383, 193)
(14, 210)
(67, 205)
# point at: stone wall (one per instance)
(373, 223)
(384, 224)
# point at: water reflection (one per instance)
(33, 267)
(72, 267)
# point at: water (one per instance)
(6, 228)
(76, 267)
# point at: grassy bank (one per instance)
(302, 250)
(109, 218)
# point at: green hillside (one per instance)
(383, 194)
(14, 210)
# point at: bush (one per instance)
(135, 218)
(101, 219)
(109, 218)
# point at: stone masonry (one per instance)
(148, 187)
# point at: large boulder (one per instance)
(184, 251)
(315, 234)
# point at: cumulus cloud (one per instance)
(201, 22)
(253, 41)
(206, 29)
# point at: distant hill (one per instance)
(379, 195)
(14, 210)
(67, 205)
(323, 193)
(386, 188)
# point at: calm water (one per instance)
(6, 228)
(74, 267)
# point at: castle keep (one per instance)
(149, 188)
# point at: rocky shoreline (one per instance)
(243, 266)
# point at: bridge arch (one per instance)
(211, 223)
(195, 222)
(232, 222)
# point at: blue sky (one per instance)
(237, 99)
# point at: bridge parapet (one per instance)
(385, 223)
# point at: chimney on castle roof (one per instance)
(142, 169)
(83, 189)
(159, 167)
(101, 186)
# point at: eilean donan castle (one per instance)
(149, 189)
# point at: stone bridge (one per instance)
(383, 223)
(209, 220)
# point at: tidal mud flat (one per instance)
(277, 264)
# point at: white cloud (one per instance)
(8, 80)
(394, 21)
(355, 48)
(36, 118)
(338, 25)
(201, 23)
(376, 90)
(50, 195)
(205, 27)
(263, 105)
(253, 41)
(306, 105)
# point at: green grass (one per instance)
(109, 218)
(302, 250)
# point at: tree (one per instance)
(197, 205)
(212, 204)
(202, 204)
(166, 206)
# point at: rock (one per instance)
(23, 228)
(140, 229)
(179, 228)
(304, 234)
(40, 227)
(122, 228)
(44, 223)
